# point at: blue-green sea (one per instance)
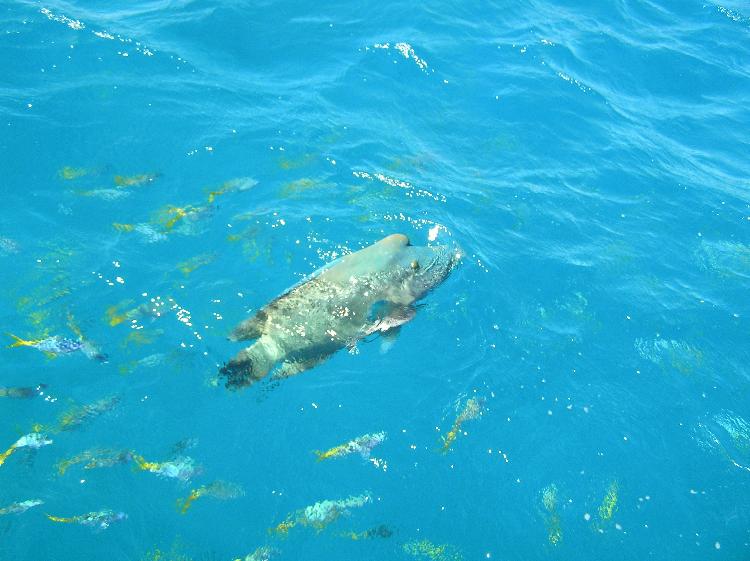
(577, 388)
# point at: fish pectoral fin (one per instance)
(388, 339)
(385, 316)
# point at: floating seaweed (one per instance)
(33, 440)
(18, 508)
(321, 514)
(100, 520)
(221, 490)
(362, 445)
(471, 410)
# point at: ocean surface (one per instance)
(578, 388)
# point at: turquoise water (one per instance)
(589, 160)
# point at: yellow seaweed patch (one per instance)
(134, 180)
(187, 267)
(123, 227)
(70, 173)
(429, 550)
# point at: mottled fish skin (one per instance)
(59, 345)
(369, 291)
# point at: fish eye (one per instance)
(415, 264)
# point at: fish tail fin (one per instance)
(184, 504)
(141, 462)
(8, 452)
(249, 366)
(319, 455)
(18, 342)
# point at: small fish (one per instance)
(32, 440)
(22, 393)
(549, 501)
(362, 445)
(426, 549)
(183, 468)
(609, 502)
(105, 194)
(69, 173)
(381, 531)
(18, 508)
(263, 553)
(101, 519)
(172, 215)
(321, 514)
(96, 458)
(80, 414)
(221, 490)
(471, 410)
(8, 246)
(135, 180)
(187, 267)
(56, 345)
(239, 184)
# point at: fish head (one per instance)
(422, 268)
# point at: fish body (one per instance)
(362, 445)
(183, 468)
(32, 440)
(100, 520)
(18, 508)
(56, 345)
(22, 393)
(371, 291)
